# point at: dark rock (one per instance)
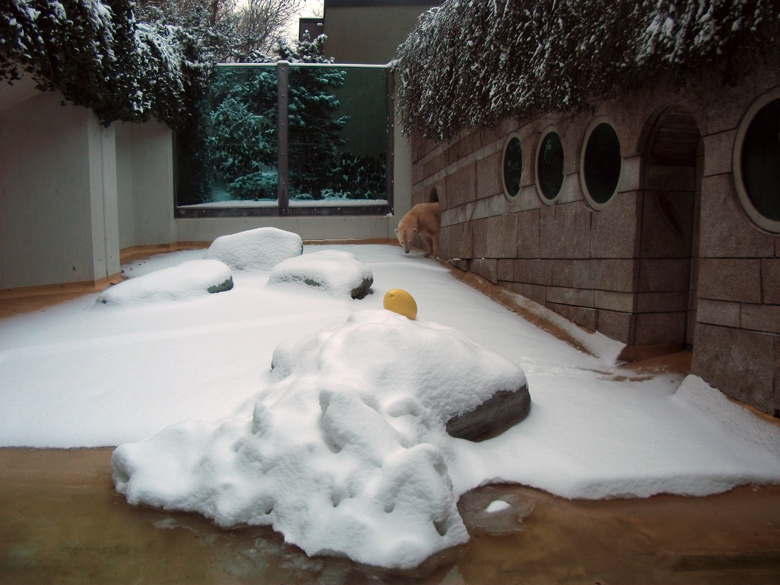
(501, 411)
(222, 287)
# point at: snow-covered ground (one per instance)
(341, 446)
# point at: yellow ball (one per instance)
(401, 302)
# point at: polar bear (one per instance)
(424, 220)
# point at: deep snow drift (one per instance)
(334, 446)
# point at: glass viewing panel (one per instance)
(602, 163)
(761, 161)
(338, 135)
(513, 167)
(550, 166)
(227, 155)
(337, 142)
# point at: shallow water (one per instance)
(61, 521)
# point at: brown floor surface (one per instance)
(62, 522)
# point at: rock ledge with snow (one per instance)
(346, 453)
(257, 249)
(330, 271)
(187, 280)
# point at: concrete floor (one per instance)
(62, 522)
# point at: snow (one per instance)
(193, 278)
(334, 272)
(257, 249)
(497, 506)
(341, 445)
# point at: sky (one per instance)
(291, 404)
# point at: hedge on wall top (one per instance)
(469, 63)
(100, 57)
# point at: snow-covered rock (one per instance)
(257, 249)
(187, 280)
(345, 454)
(334, 272)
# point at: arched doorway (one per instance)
(666, 311)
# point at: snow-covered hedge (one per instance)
(470, 62)
(100, 57)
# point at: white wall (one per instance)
(145, 176)
(73, 193)
(57, 194)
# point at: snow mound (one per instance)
(331, 271)
(346, 452)
(187, 280)
(257, 249)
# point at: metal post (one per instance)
(282, 84)
(390, 136)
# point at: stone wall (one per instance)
(670, 261)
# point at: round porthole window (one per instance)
(757, 162)
(512, 166)
(600, 164)
(549, 166)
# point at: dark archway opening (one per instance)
(666, 299)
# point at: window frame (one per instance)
(745, 201)
(539, 191)
(511, 136)
(592, 202)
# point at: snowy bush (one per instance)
(100, 57)
(471, 63)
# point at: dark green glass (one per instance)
(550, 165)
(602, 163)
(513, 167)
(761, 161)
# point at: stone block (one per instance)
(506, 269)
(761, 318)
(570, 296)
(614, 301)
(719, 148)
(535, 271)
(662, 302)
(527, 233)
(456, 241)
(669, 178)
(630, 174)
(770, 280)
(664, 275)
(434, 165)
(471, 143)
(667, 224)
(725, 231)
(462, 185)
(618, 275)
(530, 291)
(719, 313)
(615, 229)
(488, 135)
(488, 207)
(495, 237)
(739, 363)
(489, 176)
(565, 231)
(615, 325)
(655, 328)
(582, 316)
(486, 268)
(730, 279)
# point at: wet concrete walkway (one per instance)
(62, 522)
